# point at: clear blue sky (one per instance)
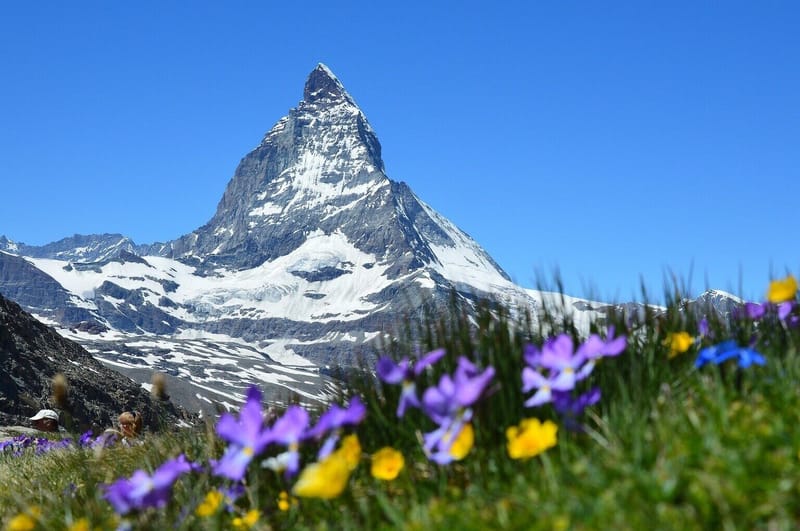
(616, 142)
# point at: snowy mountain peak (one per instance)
(312, 253)
(322, 84)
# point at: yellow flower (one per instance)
(81, 524)
(782, 290)
(248, 520)
(350, 451)
(463, 443)
(24, 521)
(284, 501)
(530, 438)
(326, 479)
(210, 504)
(678, 342)
(387, 463)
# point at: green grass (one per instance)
(668, 446)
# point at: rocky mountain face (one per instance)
(312, 253)
(31, 354)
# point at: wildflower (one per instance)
(289, 430)
(21, 522)
(678, 343)
(450, 442)
(285, 501)
(454, 393)
(24, 521)
(387, 463)
(703, 328)
(782, 290)
(566, 365)
(565, 404)
(325, 479)
(81, 524)
(728, 350)
(570, 408)
(210, 504)
(754, 311)
(85, 440)
(143, 490)
(530, 438)
(403, 372)
(333, 420)
(246, 436)
(785, 308)
(533, 379)
(231, 494)
(247, 521)
(594, 347)
(350, 451)
(463, 442)
(449, 405)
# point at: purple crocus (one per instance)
(729, 350)
(143, 490)
(333, 420)
(405, 372)
(246, 436)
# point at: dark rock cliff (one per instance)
(31, 354)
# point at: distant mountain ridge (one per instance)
(312, 253)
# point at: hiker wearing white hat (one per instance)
(45, 420)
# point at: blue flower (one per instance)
(729, 350)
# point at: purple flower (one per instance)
(594, 347)
(728, 350)
(754, 311)
(333, 420)
(703, 328)
(246, 436)
(566, 404)
(566, 367)
(785, 309)
(404, 372)
(143, 490)
(533, 379)
(532, 355)
(337, 417)
(558, 354)
(463, 389)
(85, 439)
(289, 431)
(437, 444)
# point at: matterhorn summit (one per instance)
(312, 253)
